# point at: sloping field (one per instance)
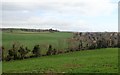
(30, 39)
(90, 61)
(57, 39)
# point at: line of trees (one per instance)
(20, 53)
(28, 30)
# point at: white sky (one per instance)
(66, 15)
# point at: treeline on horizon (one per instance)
(79, 41)
(29, 30)
(37, 30)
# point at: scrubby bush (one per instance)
(12, 53)
(36, 50)
(23, 51)
(49, 52)
(16, 53)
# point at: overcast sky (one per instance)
(66, 15)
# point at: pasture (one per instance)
(30, 39)
(103, 60)
(88, 61)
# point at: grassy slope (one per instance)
(31, 39)
(101, 60)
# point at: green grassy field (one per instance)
(30, 39)
(89, 61)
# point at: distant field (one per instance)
(90, 61)
(30, 39)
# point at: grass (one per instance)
(90, 61)
(57, 39)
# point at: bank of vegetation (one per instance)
(79, 41)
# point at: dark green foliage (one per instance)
(12, 53)
(36, 50)
(49, 52)
(27, 50)
(15, 53)
(23, 51)
(2, 52)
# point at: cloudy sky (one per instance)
(65, 15)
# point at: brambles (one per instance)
(96, 40)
